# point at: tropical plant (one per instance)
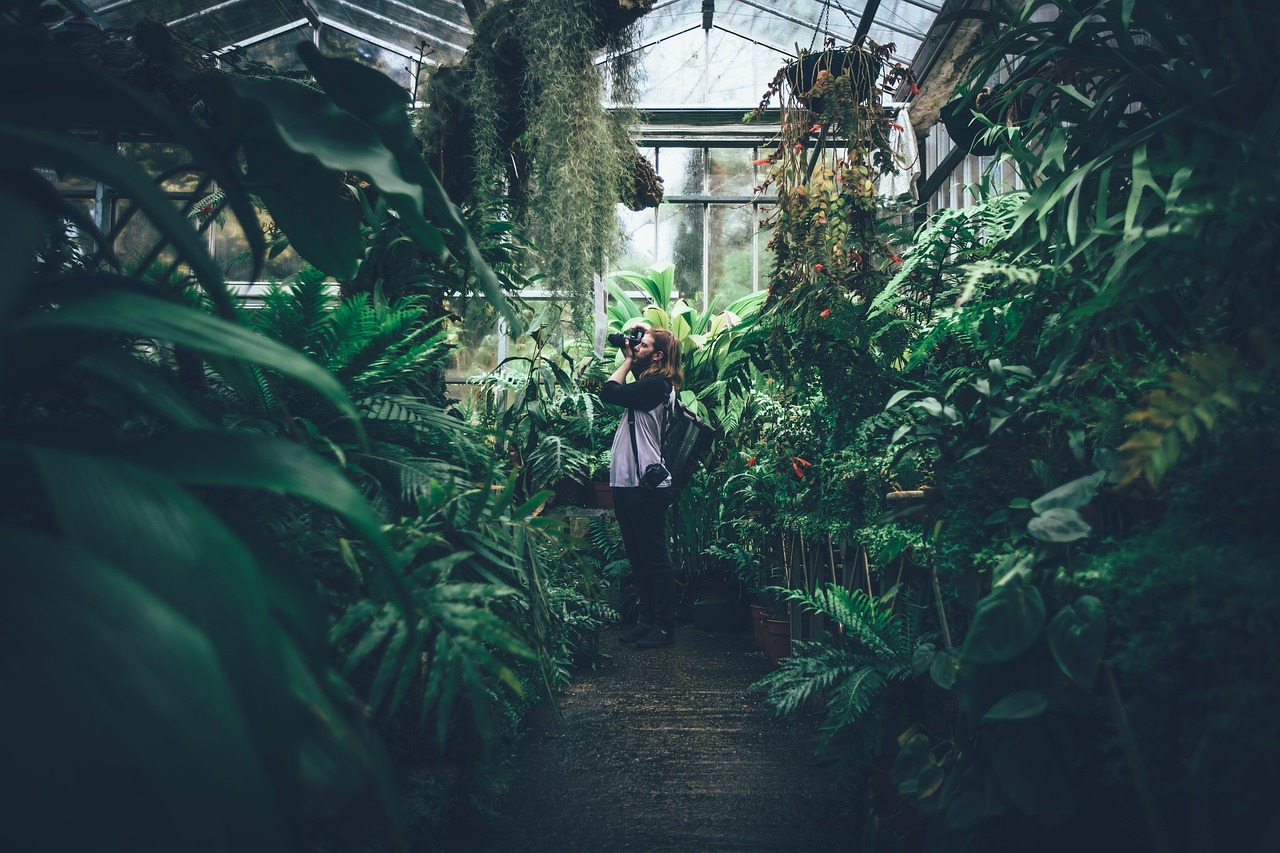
(195, 674)
(850, 670)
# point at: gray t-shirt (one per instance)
(646, 399)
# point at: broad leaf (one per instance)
(1078, 638)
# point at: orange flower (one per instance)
(826, 312)
(897, 127)
(763, 161)
(799, 471)
(751, 461)
(915, 90)
(895, 259)
(806, 463)
(818, 267)
(815, 128)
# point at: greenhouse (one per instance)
(640, 425)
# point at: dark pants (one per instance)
(642, 517)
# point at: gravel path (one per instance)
(667, 750)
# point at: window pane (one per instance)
(138, 237)
(764, 233)
(730, 171)
(731, 272)
(231, 253)
(334, 42)
(639, 239)
(683, 170)
(156, 158)
(280, 52)
(680, 238)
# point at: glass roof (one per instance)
(726, 57)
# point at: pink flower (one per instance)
(826, 312)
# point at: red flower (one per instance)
(806, 463)
(751, 461)
(798, 146)
(815, 128)
(799, 471)
(895, 259)
(818, 267)
(826, 312)
(915, 90)
(763, 161)
(897, 127)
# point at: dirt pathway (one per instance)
(666, 750)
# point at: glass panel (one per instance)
(731, 248)
(683, 170)
(334, 42)
(230, 24)
(475, 342)
(730, 171)
(155, 158)
(715, 69)
(639, 239)
(680, 239)
(138, 237)
(279, 52)
(231, 253)
(764, 233)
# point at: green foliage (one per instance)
(850, 671)
(174, 483)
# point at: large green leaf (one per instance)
(1005, 623)
(1078, 638)
(1059, 525)
(100, 303)
(126, 712)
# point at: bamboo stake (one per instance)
(831, 553)
(866, 567)
(942, 613)
(897, 583)
(786, 563)
(1136, 769)
(804, 567)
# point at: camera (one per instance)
(654, 475)
(635, 336)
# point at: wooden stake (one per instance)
(866, 567)
(942, 613)
(832, 554)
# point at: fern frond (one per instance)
(809, 671)
(1175, 416)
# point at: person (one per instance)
(654, 361)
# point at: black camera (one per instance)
(654, 475)
(635, 336)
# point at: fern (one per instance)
(851, 669)
(1176, 416)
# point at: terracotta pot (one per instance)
(777, 638)
(601, 495)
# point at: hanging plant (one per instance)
(521, 121)
(831, 149)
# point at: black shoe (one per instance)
(655, 638)
(637, 633)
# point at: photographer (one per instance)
(642, 487)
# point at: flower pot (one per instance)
(964, 128)
(777, 638)
(859, 66)
(601, 495)
(758, 615)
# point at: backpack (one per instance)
(685, 440)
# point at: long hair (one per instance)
(669, 367)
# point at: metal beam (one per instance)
(427, 37)
(261, 37)
(217, 7)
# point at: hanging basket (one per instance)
(964, 128)
(810, 86)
